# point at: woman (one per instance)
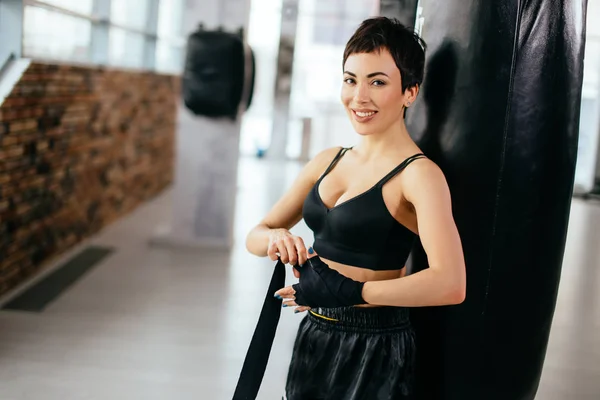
(366, 206)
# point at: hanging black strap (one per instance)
(259, 350)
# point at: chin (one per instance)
(362, 131)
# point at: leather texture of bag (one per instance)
(215, 74)
(499, 113)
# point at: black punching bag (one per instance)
(404, 11)
(215, 73)
(499, 113)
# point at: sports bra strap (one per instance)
(399, 168)
(339, 155)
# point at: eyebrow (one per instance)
(368, 76)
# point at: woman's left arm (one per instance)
(444, 282)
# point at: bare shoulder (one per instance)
(327, 155)
(319, 163)
(287, 211)
(424, 177)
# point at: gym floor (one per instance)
(153, 323)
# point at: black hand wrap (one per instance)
(321, 286)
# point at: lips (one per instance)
(363, 115)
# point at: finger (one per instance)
(301, 309)
(272, 251)
(300, 250)
(285, 293)
(296, 273)
(288, 296)
(289, 303)
(291, 250)
(283, 254)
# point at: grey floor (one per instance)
(153, 323)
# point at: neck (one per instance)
(394, 140)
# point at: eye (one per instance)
(349, 81)
(378, 83)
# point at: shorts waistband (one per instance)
(363, 318)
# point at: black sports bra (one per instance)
(360, 231)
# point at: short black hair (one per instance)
(405, 46)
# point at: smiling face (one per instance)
(372, 92)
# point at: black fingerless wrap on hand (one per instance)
(321, 286)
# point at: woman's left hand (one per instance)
(287, 294)
(321, 286)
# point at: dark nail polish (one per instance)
(285, 305)
(278, 297)
(296, 311)
(310, 250)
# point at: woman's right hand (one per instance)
(287, 247)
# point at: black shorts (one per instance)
(353, 353)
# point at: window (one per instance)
(145, 34)
(170, 16)
(169, 58)
(125, 48)
(170, 44)
(125, 41)
(49, 34)
(79, 6)
(130, 13)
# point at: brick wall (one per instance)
(79, 147)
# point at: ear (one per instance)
(410, 94)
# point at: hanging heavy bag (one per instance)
(213, 78)
(251, 77)
(499, 113)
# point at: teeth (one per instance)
(364, 114)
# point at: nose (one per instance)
(361, 94)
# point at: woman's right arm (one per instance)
(272, 235)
